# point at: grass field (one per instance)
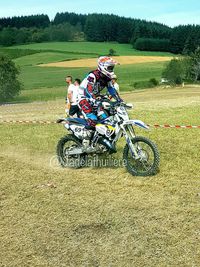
(48, 57)
(45, 83)
(95, 48)
(101, 216)
(53, 79)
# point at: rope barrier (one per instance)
(53, 122)
(18, 110)
(175, 126)
(26, 122)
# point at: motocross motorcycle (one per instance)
(140, 154)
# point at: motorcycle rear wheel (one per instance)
(69, 142)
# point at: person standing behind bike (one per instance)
(73, 96)
(70, 85)
(77, 93)
(114, 83)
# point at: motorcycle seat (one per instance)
(77, 121)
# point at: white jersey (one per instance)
(76, 94)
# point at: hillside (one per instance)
(49, 83)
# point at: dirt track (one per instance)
(92, 62)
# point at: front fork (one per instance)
(129, 134)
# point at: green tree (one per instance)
(61, 32)
(7, 36)
(150, 44)
(9, 84)
(39, 37)
(112, 52)
(23, 36)
(195, 65)
(125, 30)
(186, 68)
(95, 28)
(175, 71)
(179, 37)
(136, 34)
(26, 21)
(192, 41)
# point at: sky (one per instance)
(169, 12)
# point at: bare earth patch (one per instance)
(92, 62)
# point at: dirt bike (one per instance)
(140, 154)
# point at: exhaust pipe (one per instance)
(105, 142)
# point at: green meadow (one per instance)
(95, 48)
(51, 80)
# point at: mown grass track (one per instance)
(102, 216)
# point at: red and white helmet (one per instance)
(106, 66)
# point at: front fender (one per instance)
(138, 123)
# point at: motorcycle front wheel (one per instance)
(149, 159)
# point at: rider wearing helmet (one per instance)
(93, 84)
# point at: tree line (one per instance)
(39, 21)
(143, 35)
(61, 32)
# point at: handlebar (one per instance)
(123, 104)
